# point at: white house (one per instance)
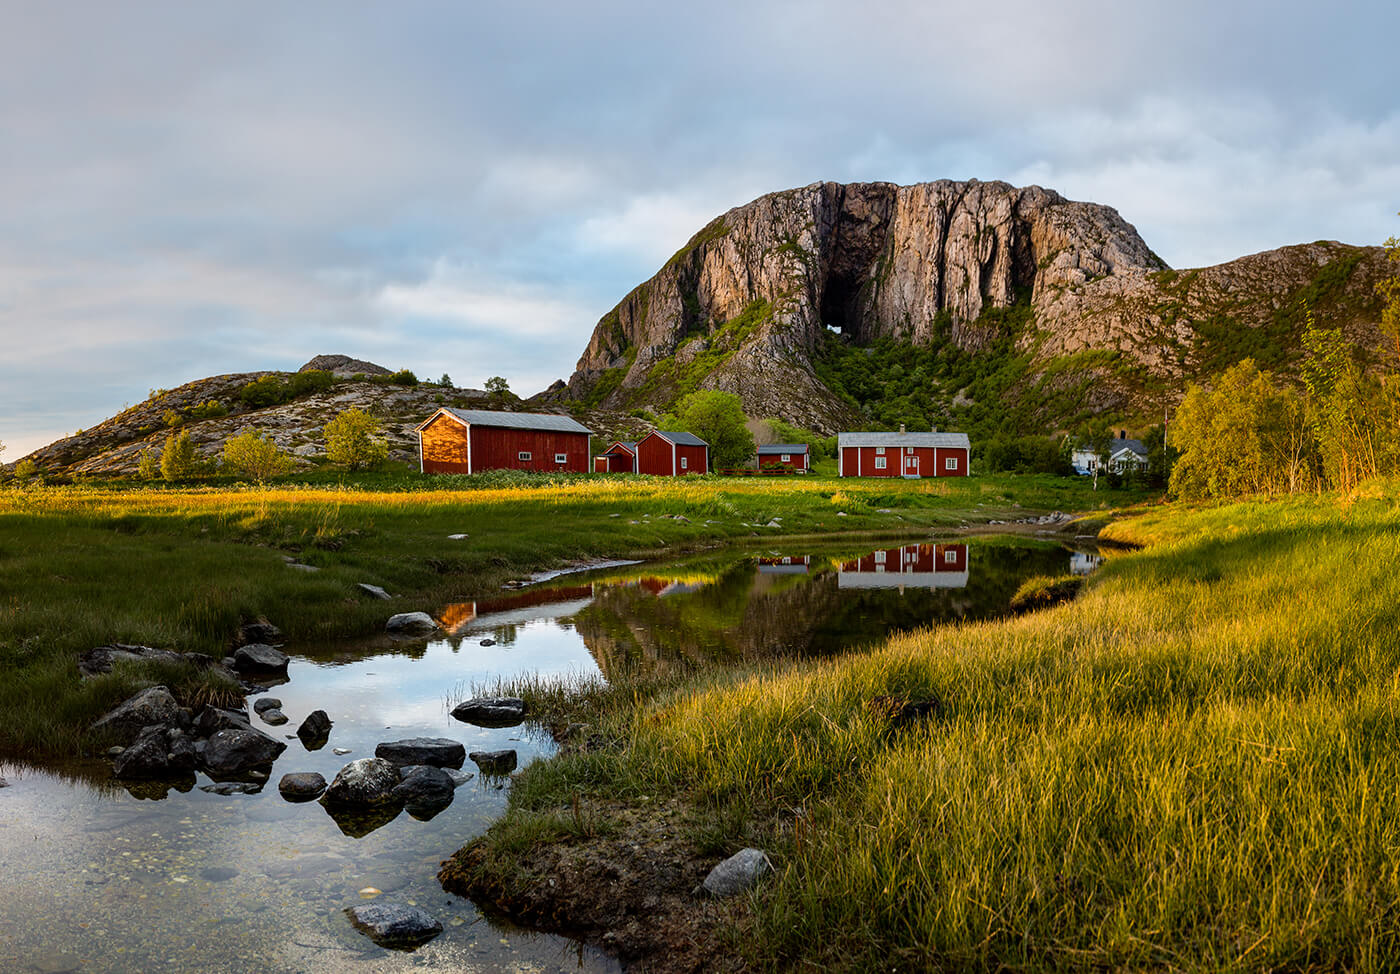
(1124, 456)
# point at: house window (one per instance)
(561, 458)
(879, 557)
(952, 463)
(879, 463)
(950, 557)
(786, 458)
(685, 462)
(909, 450)
(523, 455)
(879, 451)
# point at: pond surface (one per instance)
(97, 877)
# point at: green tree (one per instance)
(26, 470)
(255, 455)
(353, 440)
(718, 419)
(1389, 290)
(445, 381)
(177, 459)
(148, 466)
(499, 389)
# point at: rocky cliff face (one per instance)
(746, 304)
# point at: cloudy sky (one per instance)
(195, 188)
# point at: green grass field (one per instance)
(181, 568)
(1195, 765)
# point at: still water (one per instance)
(98, 877)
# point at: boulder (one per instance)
(301, 786)
(491, 711)
(265, 704)
(274, 717)
(366, 782)
(214, 719)
(373, 590)
(152, 706)
(440, 752)
(232, 788)
(459, 778)
(236, 750)
(157, 752)
(259, 658)
(315, 730)
(261, 631)
(735, 874)
(100, 659)
(488, 642)
(411, 624)
(394, 925)
(494, 762)
(425, 791)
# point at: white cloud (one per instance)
(507, 310)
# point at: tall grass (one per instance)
(1194, 765)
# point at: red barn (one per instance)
(472, 440)
(794, 455)
(672, 454)
(621, 457)
(903, 454)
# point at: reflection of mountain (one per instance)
(751, 612)
(909, 566)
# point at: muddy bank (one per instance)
(626, 888)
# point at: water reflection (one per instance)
(908, 566)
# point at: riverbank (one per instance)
(1194, 764)
(184, 568)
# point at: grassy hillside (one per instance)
(1195, 766)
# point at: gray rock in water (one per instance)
(488, 642)
(411, 624)
(366, 782)
(459, 778)
(236, 750)
(157, 752)
(735, 874)
(301, 786)
(218, 874)
(274, 717)
(315, 730)
(440, 752)
(214, 719)
(152, 706)
(259, 658)
(265, 704)
(232, 788)
(394, 925)
(494, 762)
(261, 631)
(491, 711)
(425, 791)
(374, 590)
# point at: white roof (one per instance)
(954, 440)
(518, 421)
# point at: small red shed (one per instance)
(794, 455)
(666, 454)
(472, 440)
(903, 454)
(621, 457)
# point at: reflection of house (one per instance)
(472, 440)
(785, 565)
(1083, 562)
(544, 603)
(1124, 456)
(621, 457)
(794, 455)
(672, 454)
(909, 566)
(902, 454)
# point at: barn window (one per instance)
(561, 458)
(951, 463)
(523, 455)
(950, 557)
(909, 450)
(879, 463)
(879, 451)
(786, 458)
(685, 462)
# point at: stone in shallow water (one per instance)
(440, 752)
(264, 704)
(261, 631)
(258, 658)
(315, 730)
(411, 624)
(394, 925)
(425, 791)
(364, 783)
(340, 750)
(231, 788)
(157, 752)
(495, 762)
(274, 717)
(301, 786)
(236, 750)
(153, 705)
(218, 874)
(735, 874)
(491, 711)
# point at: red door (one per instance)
(911, 466)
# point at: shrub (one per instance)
(177, 460)
(26, 470)
(353, 440)
(171, 418)
(210, 409)
(255, 455)
(148, 467)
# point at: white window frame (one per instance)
(909, 451)
(879, 463)
(786, 458)
(561, 458)
(685, 463)
(950, 557)
(879, 451)
(951, 463)
(524, 456)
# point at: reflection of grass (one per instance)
(1194, 764)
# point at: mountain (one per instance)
(981, 304)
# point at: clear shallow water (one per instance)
(96, 877)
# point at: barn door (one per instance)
(911, 466)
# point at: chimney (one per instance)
(901, 429)
(1122, 434)
(934, 430)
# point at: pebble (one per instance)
(340, 750)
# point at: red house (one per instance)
(908, 566)
(793, 455)
(672, 454)
(472, 440)
(621, 457)
(902, 454)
